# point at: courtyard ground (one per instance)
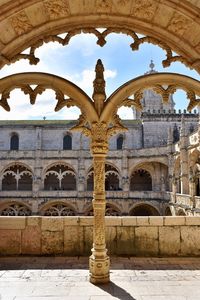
(61, 278)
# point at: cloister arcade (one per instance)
(173, 25)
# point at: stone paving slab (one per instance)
(61, 278)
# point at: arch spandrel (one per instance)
(158, 80)
(44, 81)
(177, 24)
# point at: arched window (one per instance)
(141, 181)
(67, 142)
(14, 142)
(60, 177)
(17, 178)
(120, 141)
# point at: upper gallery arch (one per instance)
(172, 25)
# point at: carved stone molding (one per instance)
(179, 24)
(57, 8)
(144, 9)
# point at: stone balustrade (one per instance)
(71, 236)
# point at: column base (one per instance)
(99, 269)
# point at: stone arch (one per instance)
(151, 168)
(144, 209)
(15, 208)
(168, 211)
(181, 212)
(59, 176)
(141, 180)
(45, 81)
(57, 208)
(177, 27)
(137, 85)
(17, 177)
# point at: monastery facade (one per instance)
(152, 169)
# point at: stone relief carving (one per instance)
(99, 237)
(144, 8)
(57, 8)
(179, 24)
(103, 6)
(20, 23)
(99, 176)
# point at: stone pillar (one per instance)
(174, 188)
(184, 158)
(125, 178)
(99, 262)
(37, 176)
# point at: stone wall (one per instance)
(71, 236)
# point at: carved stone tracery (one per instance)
(101, 41)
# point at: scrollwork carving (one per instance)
(99, 176)
(99, 238)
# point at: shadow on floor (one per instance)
(115, 291)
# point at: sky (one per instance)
(76, 62)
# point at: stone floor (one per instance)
(61, 278)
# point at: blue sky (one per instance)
(76, 62)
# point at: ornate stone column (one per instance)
(99, 262)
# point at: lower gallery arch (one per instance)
(111, 210)
(144, 209)
(15, 209)
(58, 209)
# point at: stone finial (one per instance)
(99, 94)
(151, 66)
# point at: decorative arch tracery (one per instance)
(15, 209)
(58, 209)
(60, 177)
(144, 209)
(17, 177)
(141, 180)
